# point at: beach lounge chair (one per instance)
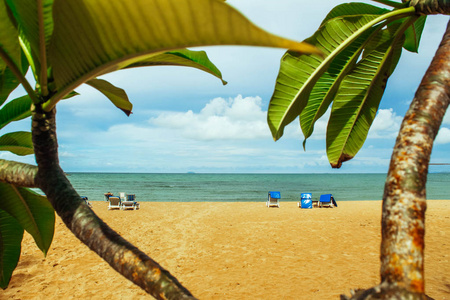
(273, 199)
(132, 197)
(122, 196)
(130, 202)
(107, 195)
(327, 200)
(114, 202)
(305, 200)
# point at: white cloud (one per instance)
(385, 125)
(221, 119)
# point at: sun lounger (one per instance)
(122, 196)
(273, 199)
(305, 200)
(128, 205)
(114, 202)
(132, 197)
(327, 200)
(130, 202)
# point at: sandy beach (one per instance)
(234, 251)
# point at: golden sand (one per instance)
(234, 251)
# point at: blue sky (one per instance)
(186, 120)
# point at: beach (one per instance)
(234, 250)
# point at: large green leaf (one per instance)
(184, 58)
(15, 110)
(8, 80)
(34, 213)
(413, 35)
(92, 37)
(116, 95)
(35, 21)
(357, 100)
(11, 234)
(9, 37)
(19, 143)
(299, 73)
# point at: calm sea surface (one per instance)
(243, 187)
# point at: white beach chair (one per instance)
(122, 196)
(130, 202)
(114, 202)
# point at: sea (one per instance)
(194, 187)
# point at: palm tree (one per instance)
(366, 45)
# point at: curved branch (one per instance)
(86, 226)
(404, 200)
(18, 174)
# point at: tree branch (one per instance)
(18, 174)
(87, 226)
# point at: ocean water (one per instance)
(242, 187)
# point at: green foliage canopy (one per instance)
(362, 44)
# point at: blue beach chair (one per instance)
(305, 200)
(327, 200)
(273, 199)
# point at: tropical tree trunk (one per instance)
(86, 226)
(404, 199)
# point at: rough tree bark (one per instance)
(404, 200)
(17, 173)
(86, 226)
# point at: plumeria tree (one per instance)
(362, 44)
(66, 43)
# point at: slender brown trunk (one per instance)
(86, 226)
(404, 200)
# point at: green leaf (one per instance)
(71, 94)
(116, 95)
(19, 143)
(356, 103)
(34, 213)
(9, 36)
(182, 57)
(8, 82)
(353, 9)
(93, 37)
(29, 14)
(325, 88)
(299, 73)
(11, 234)
(15, 110)
(413, 35)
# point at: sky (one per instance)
(185, 120)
